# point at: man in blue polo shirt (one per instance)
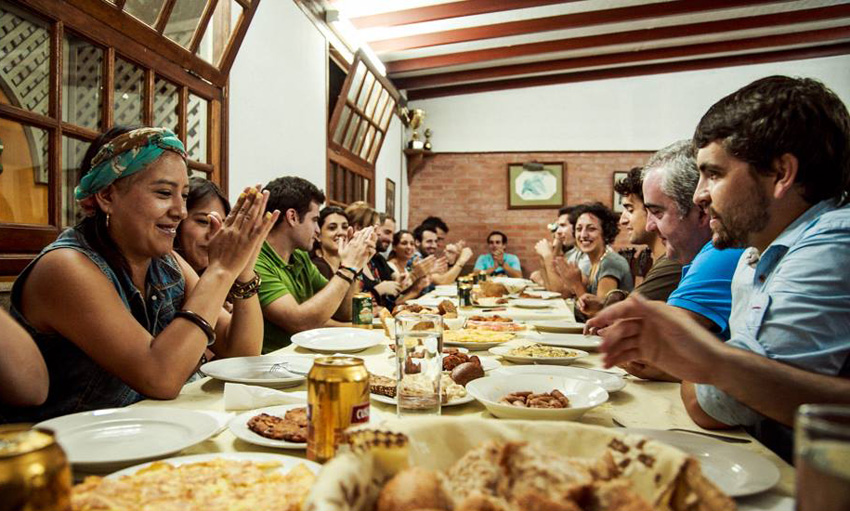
(498, 262)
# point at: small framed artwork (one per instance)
(617, 200)
(390, 196)
(535, 185)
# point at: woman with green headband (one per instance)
(119, 316)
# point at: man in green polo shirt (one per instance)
(293, 294)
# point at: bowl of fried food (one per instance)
(536, 396)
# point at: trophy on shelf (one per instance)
(413, 119)
(428, 134)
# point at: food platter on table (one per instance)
(581, 341)
(539, 294)
(338, 340)
(383, 389)
(276, 371)
(581, 395)
(105, 440)
(532, 353)
(475, 339)
(557, 326)
(531, 303)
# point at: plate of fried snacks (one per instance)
(232, 481)
(104, 440)
(472, 463)
(276, 371)
(282, 426)
(538, 354)
(475, 339)
(383, 389)
(536, 396)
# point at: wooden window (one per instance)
(356, 131)
(67, 74)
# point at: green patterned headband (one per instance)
(123, 156)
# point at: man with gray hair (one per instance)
(670, 178)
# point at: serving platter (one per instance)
(286, 463)
(504, 352)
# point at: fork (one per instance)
(283, 367)
(724, 438)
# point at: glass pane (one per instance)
(196, 136)
(356, 81)
(379, 110)
(367, 142)
(365, 189)
(82, 66)
(145, 10)
(24, 179)
(339, 182)
(341, 124)
(364, 93)
(166, 102)
(218, 31)
(373, 99)
(183, 21)
(358, 139)
(352, 130)
(349, 187)
(73, 151)
(24, 60)
(388, 114)
(375, 147)
(129, 80)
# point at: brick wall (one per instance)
(469, 191)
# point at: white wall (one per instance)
(640, 113)
(278, 105)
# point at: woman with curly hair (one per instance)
(596, 227)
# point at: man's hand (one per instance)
(440, 265)
(357, 252)
(424, 267)
(465, 256)
(647, 371)
(388, 287)
(590, 304)
(544, 249)
(657, 334)
(498, 258)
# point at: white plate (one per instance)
(542, 295)
(391, 400)
(105, 440)
(734, 470)
(256, 370)
(239, 426)
(338, 340)
(434, 301)
(608, 381)
(582, 395)
(287, 463)
(514, 285)
(502, 351)
(557, 325)
(473, 346)
(585, 342)
(531, 303)
(446, 291)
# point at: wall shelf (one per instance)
(415, 160)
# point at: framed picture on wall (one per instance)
(617, 205)
(535, 185)
(390, 195)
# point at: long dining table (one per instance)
(641, 404)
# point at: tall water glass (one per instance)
(822, 457)
(419, 363)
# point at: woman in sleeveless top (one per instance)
(333, 229)
(116, 313)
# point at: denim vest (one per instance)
(78, 383)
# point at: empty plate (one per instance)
(277, 371)
(338, 340)
(608, 381)
(585, 342)
(557, 325)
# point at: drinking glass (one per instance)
(419, 363)
(822, 457)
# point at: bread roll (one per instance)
(413, 489)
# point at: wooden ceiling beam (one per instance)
(628, 37)
(566, 21)
(445, 11)
(631, 71)
(625, 57)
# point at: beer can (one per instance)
(361, 310)
(34, 471)
(464, 295)
(337, 397)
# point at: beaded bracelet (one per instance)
(200, 322)
(243, 291)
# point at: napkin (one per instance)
(250, 397)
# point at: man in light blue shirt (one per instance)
(498, 262)
(774, 161)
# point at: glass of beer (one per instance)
(822, 457)
(419, 364)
